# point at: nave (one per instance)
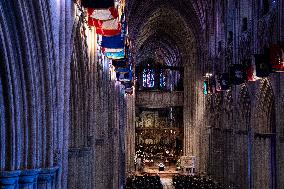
(93, 92)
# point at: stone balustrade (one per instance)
(159, 99)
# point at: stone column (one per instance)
(9, 179)
(46, 178)
(28, 178)
(187, 107)
(130, 133)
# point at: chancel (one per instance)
(141, 94)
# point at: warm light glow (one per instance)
(208, 75)
(91, 38)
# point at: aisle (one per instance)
(167, 183)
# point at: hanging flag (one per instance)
(106, 50)
(97, 4)
(262, 66)
(250, 69)
(112, 24)
(107, 32)
(115, 55)
(250, 72)
(120, 63)
(103, 14)
(114, 42)
(127, 85)
(106, 28)
(124, 76)
(123, 69)
(237, 74)
(276, 56)
(222, 82)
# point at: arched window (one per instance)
(148, 78)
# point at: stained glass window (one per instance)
(162, 80)
(148, 78)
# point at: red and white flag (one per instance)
(106, 28)
(103, 14)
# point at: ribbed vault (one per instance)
(160, 46)
(164, 35)
(173, 29)
(193, 13)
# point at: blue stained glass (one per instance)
(162, 80)
(148, 78)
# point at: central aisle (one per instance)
(167, 183)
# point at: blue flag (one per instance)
(113, 42)
(124, 74)
(120, 63)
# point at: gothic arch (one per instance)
(265, 108)
(264, 138)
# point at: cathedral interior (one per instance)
(142, 94)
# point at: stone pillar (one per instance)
(28, 179)
(187, 108)
(46, 178)
(9, 179)
(130, 134)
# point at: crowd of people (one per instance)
(153, 152)
(194, 182)
(178, 181)
(144, 182)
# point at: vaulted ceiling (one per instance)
(166, 30)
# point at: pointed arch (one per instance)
(264, 158)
